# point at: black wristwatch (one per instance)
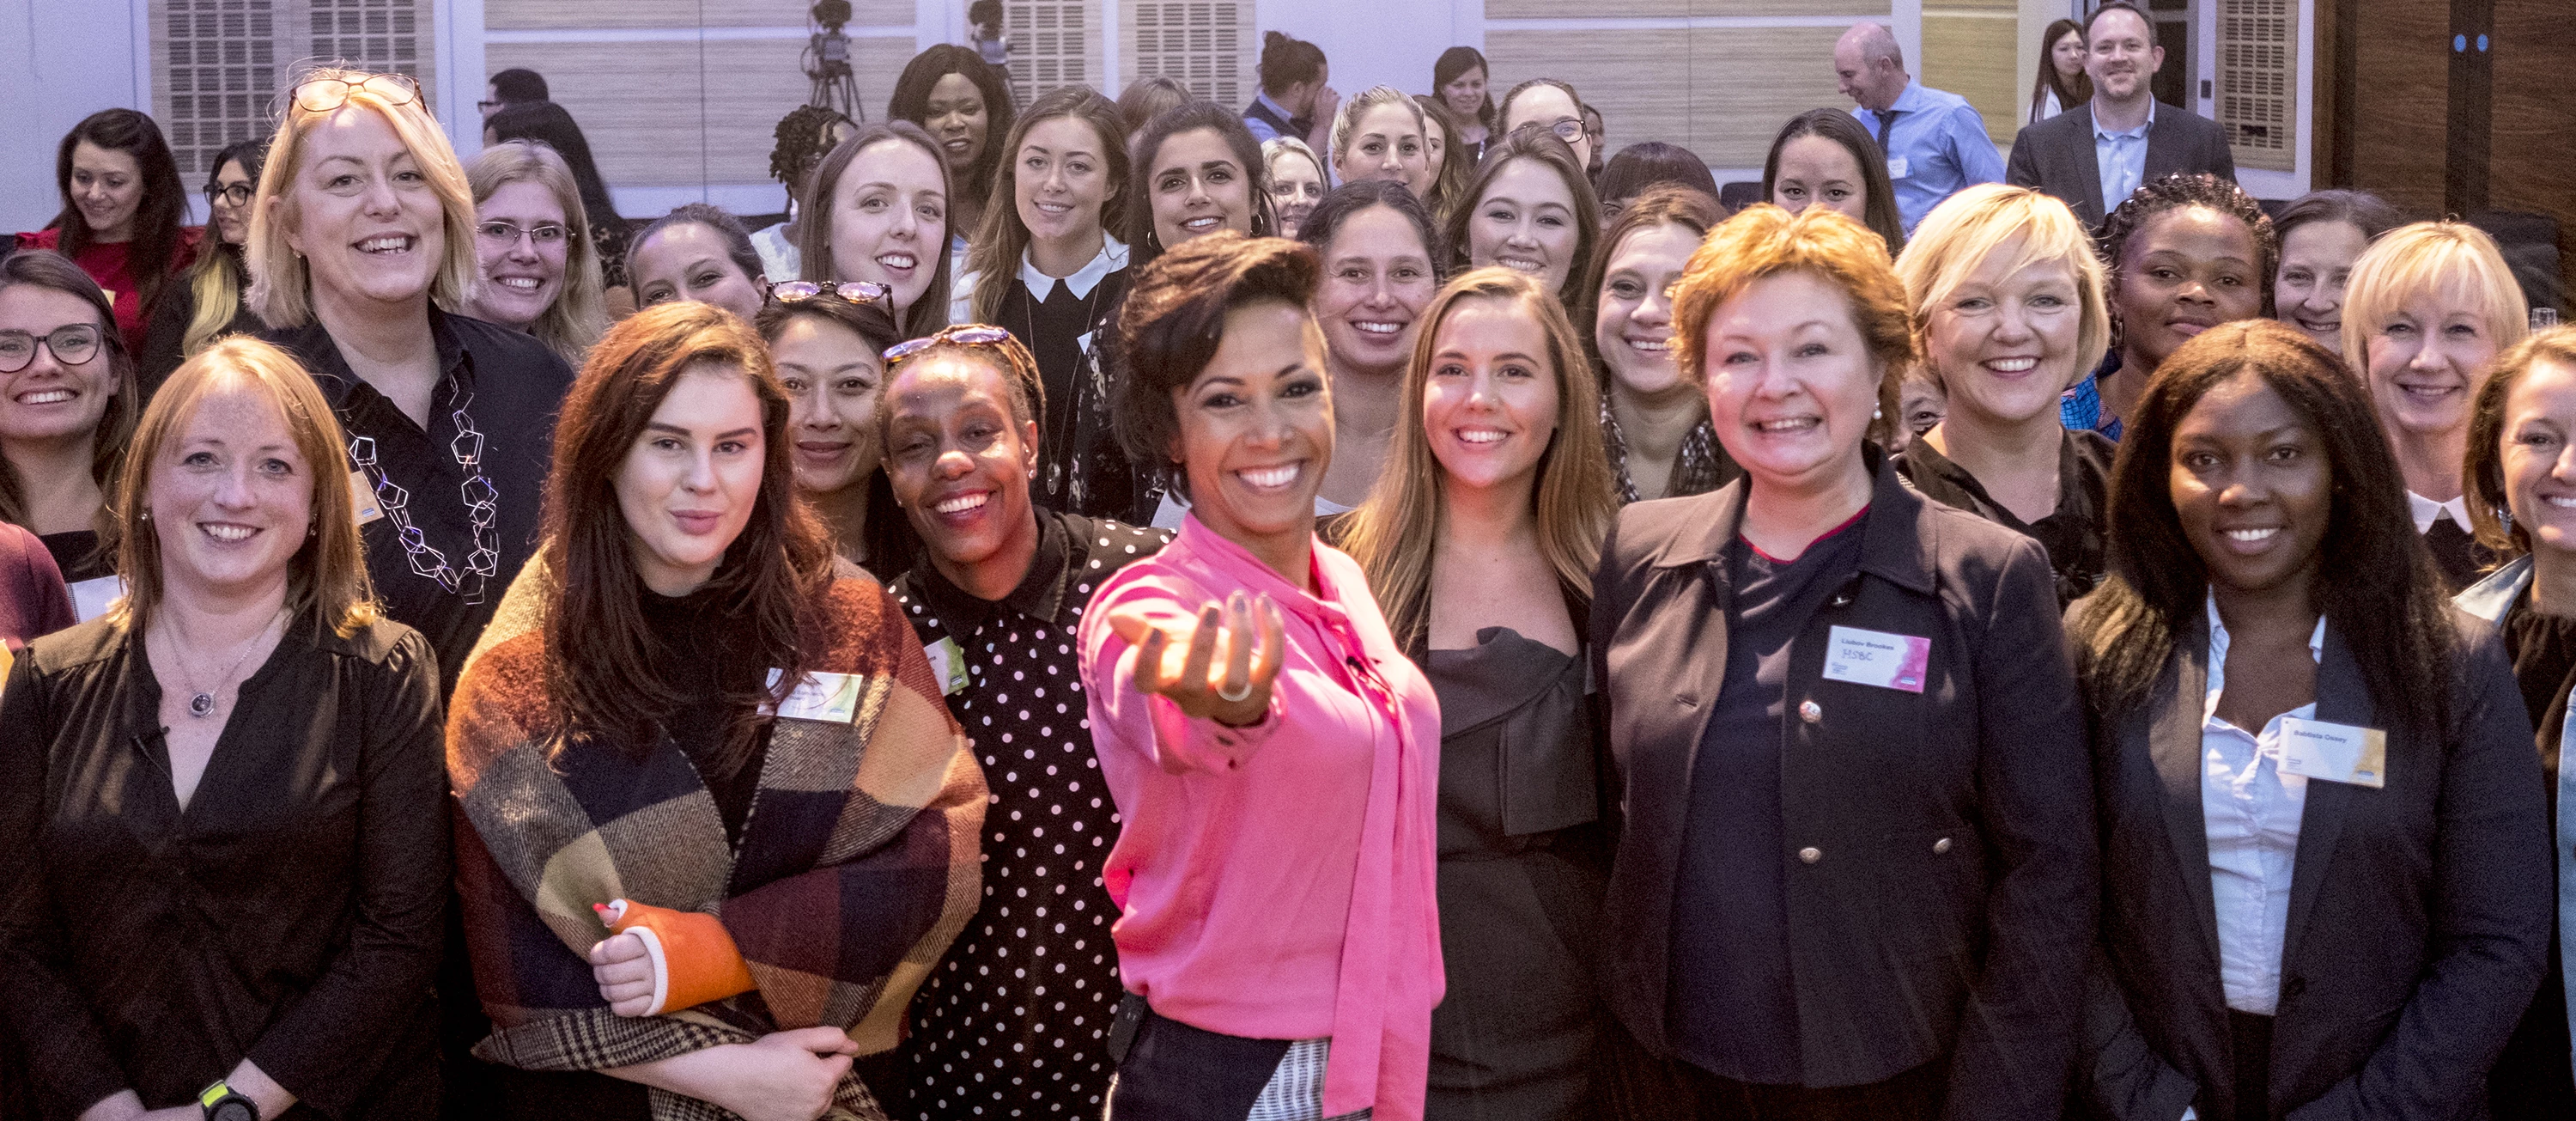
(222, 1104)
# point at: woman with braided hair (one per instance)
(2186, 253)
(804, 136)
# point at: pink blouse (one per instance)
(1276, 881)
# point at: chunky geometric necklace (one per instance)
(482, 505)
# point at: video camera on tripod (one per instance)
(826, 60)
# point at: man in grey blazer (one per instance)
(2092, 158)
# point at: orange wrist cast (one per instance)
(694, 959)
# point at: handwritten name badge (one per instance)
(1896, 168)
(832, 698)
(2334, 752)
(1889, 661)
(948, 664)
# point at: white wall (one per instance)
(60, 62)
(1379, 42)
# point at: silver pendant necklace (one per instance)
(201, 702)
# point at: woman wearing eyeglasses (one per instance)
(67, 408)
(829, 343)
(363, 229)
(532, 242)
(214, 299)
(122, 213)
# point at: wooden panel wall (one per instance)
(682, 113)
(2401, 101)
(2533, 154)
(1970, 48)
(1721, 92)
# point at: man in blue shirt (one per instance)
(1935, 142)
(2095, 155)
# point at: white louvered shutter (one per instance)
(223, 63)
(1206, 45)
(2258, 71)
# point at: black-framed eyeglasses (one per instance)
(1568, 129)
(861, 292)
(232, 195)
(322, 95)
(504, 234)
(72, 343)
(963, 334)
(487, 106)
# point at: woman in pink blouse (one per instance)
(1275, 761)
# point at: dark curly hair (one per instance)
(802, 137)
(1172, 320)
(2374, 581)
(2176, 191)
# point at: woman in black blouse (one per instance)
(67, 407)
(1480, 543)
(362, 233)
(2007, 298)
(1046, 268)
(223, 800)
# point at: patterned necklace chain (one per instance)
(482, 505)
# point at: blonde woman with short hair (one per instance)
(532, 242)
(281, 853)
(2008, 312)
(362, 257)
(1479, 544)
(2430, 306)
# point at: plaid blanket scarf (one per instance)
(857, 866)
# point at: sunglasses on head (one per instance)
(860, 292)
(963, 334)
(322, 95)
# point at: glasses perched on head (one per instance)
(503, 234)
(322, 95)
(230, 195)
(848, 291)
(72, 344)
(963, 334)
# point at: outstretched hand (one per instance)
(1223, 670)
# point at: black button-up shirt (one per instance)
(511, 387)
(289, 914)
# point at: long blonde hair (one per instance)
(1394, 533)
(328, 576)
(281, 284)
(579, 313)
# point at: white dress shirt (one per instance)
(2427, 512)
(2251, 810)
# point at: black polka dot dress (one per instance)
(1014, 1021)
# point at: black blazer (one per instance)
(2419, 913)
(1949, 907)
(2056, 156)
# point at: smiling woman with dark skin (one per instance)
(2267, 603)
(960, 428)
(2186, 253)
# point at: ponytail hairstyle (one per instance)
(1287, 61)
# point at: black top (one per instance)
(991, 1037)
(1524, 861)
(697, 655)
(2457, 554)
(1081, 468)
(1734, 1011)
(2533, 1077)
(2072, 534)
(290, 914)
(512, 387)
(163, 336)
(77, 554)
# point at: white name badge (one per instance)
(2334, 752)
(91, 598)
(362, 496)
(1889, 661)
(832, 698)
(1896, 168)
(948, 664)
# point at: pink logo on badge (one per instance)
(1917, 660)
